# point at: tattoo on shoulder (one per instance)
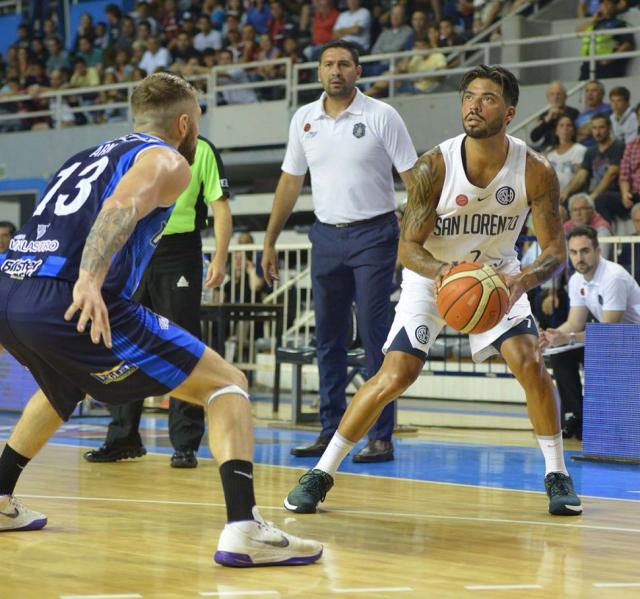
(423, 191)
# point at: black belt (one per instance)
(357, 223)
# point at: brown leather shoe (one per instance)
(375, 451)
(316, 449)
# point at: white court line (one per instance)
(352, 513)
(410, 480)
(615, 585)
(126, 596)
(374, 590)
(501, 587)
(232, 593)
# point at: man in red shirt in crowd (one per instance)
(324, 18)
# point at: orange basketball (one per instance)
(473, 298)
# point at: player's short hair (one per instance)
(581, 196)
(159, 98)
(503, 77)
(585, 231)
(621, 92)
(345, 45)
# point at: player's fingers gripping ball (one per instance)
(472, 298)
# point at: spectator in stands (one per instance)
(58, 56)
(92, 56)
(37, 50)
(24, 39)
(249, 47)
(101, 40)
(183, 49)
(461, 11)
(258, 15)
(419, 23)
(600, 169)
(624, 122)
(582, 212)
(449, 37)
(247, 283)
(593, 104)
(122, 65)
(324, 19)
(543, 134)
(169, 21)
(486, 13)
(234, 75)
(280, 24)
(58, 80)
(600, 288)
(138, 74)
(128, 35)
(605, 18)
(112, 96)
(22, 64)
(142, 14)
(291, 50)
(231, 24)
(11, 88)
(354, 25)
(143, 31)
(84, 76)
(85, 29)
(566, 154)
(7, 231)
(188, 24)
(50, 29)
(215, 10)
(629, 179)
(395, 38)
(155, 57)
(234, 44)
(114, 23)
(208, 36)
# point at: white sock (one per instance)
(333, 455)
(552, 451)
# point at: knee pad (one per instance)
(228, 390)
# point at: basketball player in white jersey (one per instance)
(468, 202)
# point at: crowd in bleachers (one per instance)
(191, 36)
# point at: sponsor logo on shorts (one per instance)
(359, 129)
(163, 323)
(20, 268)
(422, 334)
(505, 195)
(116, 374)
(20, 244)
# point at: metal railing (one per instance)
(450, 355)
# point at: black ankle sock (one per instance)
(11, 466)
(237, 484)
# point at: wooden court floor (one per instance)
(141, 529)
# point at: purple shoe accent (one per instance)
(242, 560)
(35, 525)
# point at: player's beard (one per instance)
(490, 129)
(344, 92)
(188, 146)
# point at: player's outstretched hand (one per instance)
(87, 298)
(270, 265)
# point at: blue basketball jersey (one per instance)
(50, 244)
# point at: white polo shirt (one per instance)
(350, 158)
(361, 18)
(611, 289)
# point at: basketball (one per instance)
(473, 298)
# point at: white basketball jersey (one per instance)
(481, 225)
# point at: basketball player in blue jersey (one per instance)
(468, 200)
(66, 314)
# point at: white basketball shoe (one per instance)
(258, 543)
(15, 516)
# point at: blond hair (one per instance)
(159, 98)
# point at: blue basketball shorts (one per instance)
(150, 354)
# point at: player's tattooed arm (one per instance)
(544, 193)
(425, 187)
(109, 233)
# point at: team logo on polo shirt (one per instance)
(422, 334)
(306, 127)
(359, 129)
(505, 195)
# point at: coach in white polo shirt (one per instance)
(349, 143)
(600, 288)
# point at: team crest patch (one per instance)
(505, 195)
(116, 374)
(359, 129)
(422, 334)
